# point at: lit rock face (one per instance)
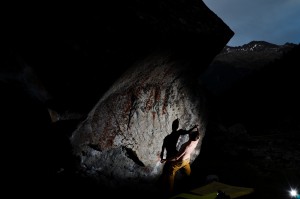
(121, 139)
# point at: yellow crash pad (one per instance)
(210, 191)
(213, 187)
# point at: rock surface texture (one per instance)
(119, 142)
(122, 136)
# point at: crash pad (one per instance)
(210, 191)
(232, 191)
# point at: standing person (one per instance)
(181, 159)
(170, 141)
(170, 146)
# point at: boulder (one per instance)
(120, 140)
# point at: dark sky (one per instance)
(274, 21)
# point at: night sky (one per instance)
(274, 21)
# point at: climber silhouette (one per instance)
(181, 160)
(170, 147)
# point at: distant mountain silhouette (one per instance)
(260, 92)
(235, 63)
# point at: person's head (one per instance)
(194, 135)
(175, 124)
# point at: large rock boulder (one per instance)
(121, 139)
(119, 142)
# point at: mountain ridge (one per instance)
(233, 64)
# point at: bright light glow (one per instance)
(293, 193)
